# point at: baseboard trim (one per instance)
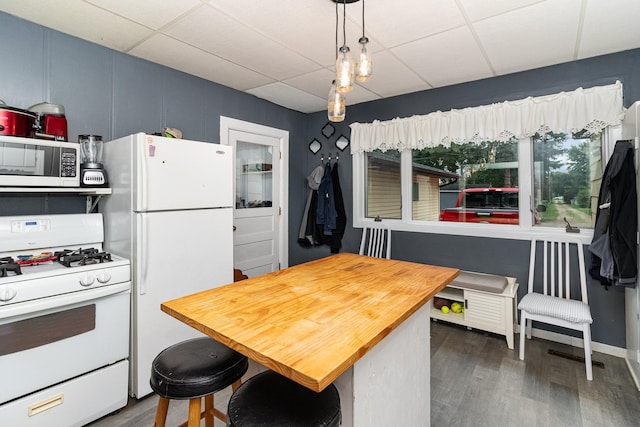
(635, 373)
(577, 342)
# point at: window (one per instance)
(484, 171)
(561, 173)
(567, 176)
(468, 182)
(383, 197)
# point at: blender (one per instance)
(92, 173)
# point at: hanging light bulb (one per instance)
(344, 71)
(336, 104)
(364, 66)
(344, 64)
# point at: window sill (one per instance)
(494, 231)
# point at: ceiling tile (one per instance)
(481, 9)
(535, 36)
(395, 23)
(446, 58)
(152, 13)
(237, 43)
(360, 93)
(82, 20)
(290, 97)
(284, 23)
(319, 83)
(316, 83)
(391, 77)
(620, 18)
(180, 56)
(306, 27)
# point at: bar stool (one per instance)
(269, 399)
(192, 369)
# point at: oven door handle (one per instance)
(31, 307)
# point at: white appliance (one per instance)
(631, 130)
(28, 162)
(64, 321)
(171, 213)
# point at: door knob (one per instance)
(234, 228)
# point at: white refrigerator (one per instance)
(170, 213)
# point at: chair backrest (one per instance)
(559, 261)
(376, 241)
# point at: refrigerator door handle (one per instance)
(143, 255)
(142, 158)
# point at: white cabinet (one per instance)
(487, 311)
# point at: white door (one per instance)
(260, 226)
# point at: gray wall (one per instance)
(499, 256)
(112, 94)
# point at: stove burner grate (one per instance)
(7, 264)
(77, 257)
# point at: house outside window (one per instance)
(384, 189)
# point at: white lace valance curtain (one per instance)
(592, 109)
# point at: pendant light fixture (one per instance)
(336, 104)
(364, 66)
(346, 68)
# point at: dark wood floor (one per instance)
(477, 381)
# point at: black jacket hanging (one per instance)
(310, 233)
(335, 242)
(613, 248)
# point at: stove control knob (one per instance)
(104, 277)
(7, 293)
(87, 280)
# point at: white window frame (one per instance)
(523, 231)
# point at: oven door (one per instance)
(47, 341)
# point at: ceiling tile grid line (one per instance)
(476, 38)
(583, 11)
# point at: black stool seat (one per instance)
(269, 399)
(196, 368)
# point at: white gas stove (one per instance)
(24, 281)
(64, 321)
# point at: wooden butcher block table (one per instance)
(313, 321)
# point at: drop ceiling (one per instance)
(284, 50)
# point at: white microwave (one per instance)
(27, 162)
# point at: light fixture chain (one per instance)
(337, 23)
(344, 22)
(362, 18)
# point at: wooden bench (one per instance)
(489, 303)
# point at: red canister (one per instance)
(16, 122)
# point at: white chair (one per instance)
(376, 241)
(550, 301)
